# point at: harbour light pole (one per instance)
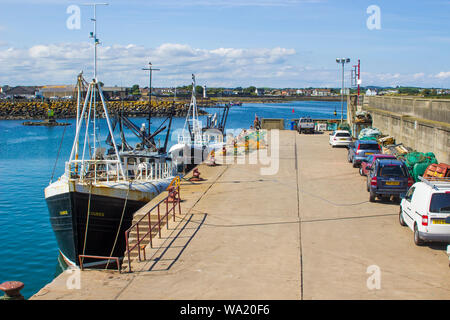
(150, 69)
(342, 61)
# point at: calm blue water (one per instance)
(28, 249)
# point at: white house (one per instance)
(370, 92)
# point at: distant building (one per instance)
(371, 92)
(27, 92)
(321, 92)
(158, 91)
(70, 92)
(276, 92)
(304, 92)
(443, 91)
(227, 92)
(115, 93)
(57, 91)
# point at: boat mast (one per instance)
(150, 69)
(90, 99)
(195, 130)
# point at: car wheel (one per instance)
(400, 218)
(417, 239)
(361, 173)
(348, 158)
(354, 164)
(372, 196)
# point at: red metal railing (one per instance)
(98, 257)
(173, 198)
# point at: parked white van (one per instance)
(426, 210)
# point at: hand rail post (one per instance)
(138, 241)
(150, 228)
(179, 200)
(167, 212)
(174, 203)
(159, 223)
(128, 249)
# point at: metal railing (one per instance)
(102, 170)
(147, 171)
(174, 199)
(82, 256)
(108, 170)
(436, 182)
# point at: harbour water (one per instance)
(28, 250)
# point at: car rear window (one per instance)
(342, 134)
(391, 171)
(367, 146)
(440, 202)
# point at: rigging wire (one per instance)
(120, 225)
(87, 219)
(57, 156)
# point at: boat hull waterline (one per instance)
(68, 203)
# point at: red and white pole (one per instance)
(359, 79)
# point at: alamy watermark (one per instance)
(374, 280)
(73, 22)
(240, 146)
(374, 20)
(74, 279)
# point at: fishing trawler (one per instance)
(93, 202)
(195, 142)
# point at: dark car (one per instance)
(366, 165)
(359, 150)
(388, 178)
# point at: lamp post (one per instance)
(342, 61)
(150, 92)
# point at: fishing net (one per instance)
(369, 132)
(418, 162)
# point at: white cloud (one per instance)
(443, 75)
(39, 51)
(122, 64)
(229, 67)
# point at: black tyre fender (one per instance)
(372, 196)
(417, 240)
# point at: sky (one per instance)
(227, 43)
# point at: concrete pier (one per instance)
(306, 232)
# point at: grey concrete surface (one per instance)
(307, 232)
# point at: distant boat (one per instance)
(195, 143)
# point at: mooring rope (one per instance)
(57, 155)
(87, 219)
(120, 225)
